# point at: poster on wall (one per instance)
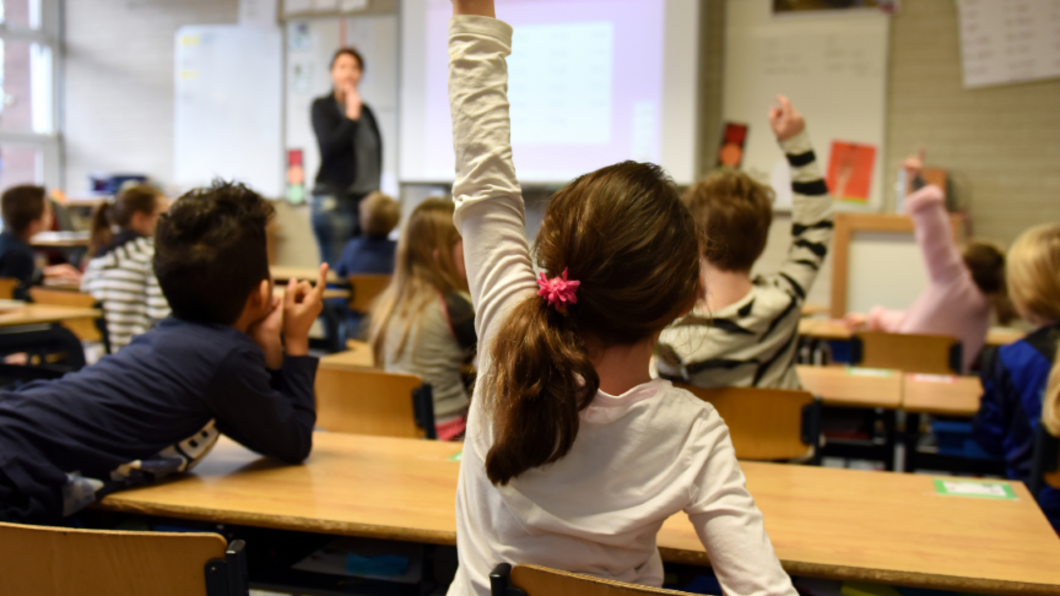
(850, 171)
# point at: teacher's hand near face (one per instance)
(353, 103)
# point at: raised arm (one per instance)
(489, 202)
(934, 234)
(811, 210)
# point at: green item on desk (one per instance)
(977, 488)
(869, 372)
(458, 456)
(384, 565)
(863, 589)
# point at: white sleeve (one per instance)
(489, 201)
(729, 523)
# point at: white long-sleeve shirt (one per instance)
(639, 457)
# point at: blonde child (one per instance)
(121, 275)
(964, 285)
(423, 323)
(574, 456)
(1015, 377)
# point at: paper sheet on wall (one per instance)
(1009, 42)
(258, 13)
(293, 7)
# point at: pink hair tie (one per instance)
(558, 291)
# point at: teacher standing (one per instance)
(351, 156)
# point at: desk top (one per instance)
(841, 524)
(281, 273)
(836, 330)
(942, 395)
(60, 239)
(859, 387)
(39, 314)
(329, 293)
(358, 356)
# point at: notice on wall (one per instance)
(1010, 41)
(258, 13)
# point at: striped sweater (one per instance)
(122, 278)
(752, 343)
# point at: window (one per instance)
(29, 45)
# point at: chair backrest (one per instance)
(371, 402)
(84, 329)
(911, 353)
(364, 288)
(50, 561)
(7, 288)
(766, 424)
(532, 580)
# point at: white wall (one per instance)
(118, 84)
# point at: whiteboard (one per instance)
(884, 269)
(310, 46)
(228, 113)
(833, 67)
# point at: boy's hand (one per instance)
(302, 304)
(785, 119)
(914, 164)
(266, 333)
(474, 7)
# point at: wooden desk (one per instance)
(61, 283)
(942, 395)
(42, 314)
(329, 293)
(1003, 336)
(833, 523)
(281, 273)
(358, 356)
(844, 386)
(831, 329)
(812, 310)
(60, 240)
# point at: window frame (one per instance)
(49, 144)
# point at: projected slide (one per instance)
(587, 85)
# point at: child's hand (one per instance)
(914, 165)
(855, 321)
(302, 304)
(266, 333)
(785, 119)
(474, 7)
(63, 271)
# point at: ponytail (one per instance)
(541, 379)
(1051, 400)
(102, 228)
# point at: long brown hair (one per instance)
(986, 262)
(135, 199)
(623, 232)
(423, 269)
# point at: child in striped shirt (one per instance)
(744, 331)
(120, 274)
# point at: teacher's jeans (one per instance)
(335, 222)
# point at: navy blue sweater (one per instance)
(17, 262)
(154, 408)
(1014, 379)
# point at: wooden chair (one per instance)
(1045, 463)
(928, 354)
(767, 424)
(7, 288)
(84, 329)
(371, 402)
(532, 580)
(364, 288)
(48, 561)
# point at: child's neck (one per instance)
(724, 288)
(622, 368)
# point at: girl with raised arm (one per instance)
(574, 456)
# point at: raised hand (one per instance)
(302, 304)
(353, 103)
(785, 119)
(914, 164)
(474, 7)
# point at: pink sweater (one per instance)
(952, 304)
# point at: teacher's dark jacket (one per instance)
(335, 136)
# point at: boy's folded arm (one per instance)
(812, 216)
(489, 205)
(272, 413)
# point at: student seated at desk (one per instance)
(157, 406)
(574, 456)
(964, 285)
(120, 275)
(424, 324)
(744, 332)
(27, 212)
(372, 252)
(1015, 376)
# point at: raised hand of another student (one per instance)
(474, 7)
(266, 333)
(302, 304)
(785, 119)
(914, 164)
